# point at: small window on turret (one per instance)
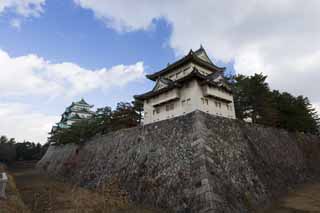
(188, 101)
(218, 104)
(169, 106)
(205, 101)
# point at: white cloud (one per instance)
(116, 13)
(26, 8)
(21, 8)
(32, 75)
(278, 38)
(20, 122)
(317, 107)
(16, 23)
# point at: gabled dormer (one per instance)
(162, 83)
(201, 53)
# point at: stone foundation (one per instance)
(193, 163)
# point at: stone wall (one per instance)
(193, 163)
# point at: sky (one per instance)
(53, 52)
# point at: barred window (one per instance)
(169, 106)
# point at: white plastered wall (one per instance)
(191, 98)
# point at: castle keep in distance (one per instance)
(189, 84)
(75, 112)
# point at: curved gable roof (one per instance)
(198, 57)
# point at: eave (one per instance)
(220, 99)
(195, 74)
(151, 94)
(204, 79)
(226, 89)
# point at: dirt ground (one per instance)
(43, 194)
(303, 199)
(12, 203)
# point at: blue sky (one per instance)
(53, 52)
(69, 33)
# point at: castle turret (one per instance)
(192, 83)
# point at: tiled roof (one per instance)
(153, 93)
(195, 74)
(82, 102)
(191, 57)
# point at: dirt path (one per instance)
(303, 199)
(43, 194)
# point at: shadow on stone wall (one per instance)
(194, 163)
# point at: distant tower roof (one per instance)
(76, 111)
(82, 102)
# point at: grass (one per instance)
(43, 194)
(13, 203)
(303, 199)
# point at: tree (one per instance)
(253, 99)
(7, 149)
(3, 139)
(12, 141)
(138, 107)
(103, 119)
(28, 151)
(106, 120)
(11, 150)
(296, 113)
(124, 116)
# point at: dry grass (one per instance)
(43, 194)
(13, 202)
(303, 199)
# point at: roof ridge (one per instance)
(190, 56)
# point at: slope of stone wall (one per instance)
(193, 163)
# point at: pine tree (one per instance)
(253, 99)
